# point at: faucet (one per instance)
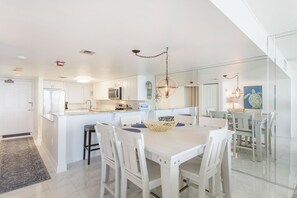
(90, 105)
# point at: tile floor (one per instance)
(82, 181)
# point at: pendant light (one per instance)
(236, 92)
(166, 86)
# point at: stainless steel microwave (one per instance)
(115, 93)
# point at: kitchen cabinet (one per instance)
(133, 88)
(53, 84)
(101, 90)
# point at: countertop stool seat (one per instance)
(88, 130)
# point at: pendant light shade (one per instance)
(166, 86)
(237, 92)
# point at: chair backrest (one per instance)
(218, 114)
(130, 148)
(213, 122)
(209, 110)
(188, 120)
(213, 154)
(256, 112)
(243, 121)
(271, 120)
(106, 139)
(132, 119)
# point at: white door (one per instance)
(210, 97)
(16, 107)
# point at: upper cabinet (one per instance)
(101, 90)
(133, 88)
(53, 84)
(77, 93)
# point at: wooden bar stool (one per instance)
(88, 130)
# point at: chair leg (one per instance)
(117, 183)
(123, 186)
(218, 191)
(201, 189)
(234, 145)
(103, 179)
(253, 148)
(269, 142)
(85, 141)
(211, 186)
(188, 190)
(89, 147)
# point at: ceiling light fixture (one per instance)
(167, 86)
(237, 92)
(84, 79)
(22, 57)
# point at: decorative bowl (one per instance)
(160, 126)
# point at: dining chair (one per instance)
(267, 131)
(218, 114)
(109, 159)
(208, 169)
(185, 119)
(135, 167)
(129, 120)
(212, 122)
(209, 110)
(256, 112)
(243, 126)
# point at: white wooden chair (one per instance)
(109, 159)
(243, 125)
(213, 122)
(208, 169)
(134, 166)
(218, 114)
(188, 120)
(129, 120)
(267, 131)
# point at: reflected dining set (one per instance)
(186, 155)
(252, 130)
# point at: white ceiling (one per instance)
(196, 32)
(276, 16)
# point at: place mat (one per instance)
(179, 124)
(132, 130)
(185, 114)
(138, 125)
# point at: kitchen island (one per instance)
(62, 135)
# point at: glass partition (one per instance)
(282, 50)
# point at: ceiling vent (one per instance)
(9, 81)
(87, 52)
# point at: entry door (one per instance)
(210, 97)
(16, 107)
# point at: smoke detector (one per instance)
(87, 52)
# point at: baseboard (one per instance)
(57, 167)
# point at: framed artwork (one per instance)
(252, 97)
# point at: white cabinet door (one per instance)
(16, 107)
(101, 91)
(75, 94)
(132, 88)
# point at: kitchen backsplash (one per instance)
(110, 104)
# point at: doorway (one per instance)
(16, 107)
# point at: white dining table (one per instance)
(176, 146)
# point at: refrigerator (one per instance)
(53, 102)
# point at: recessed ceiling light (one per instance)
(22, 57)
(62, 77)
(18, 69)
(84, 79)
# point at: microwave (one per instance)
(115, 93)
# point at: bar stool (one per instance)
(88, 130)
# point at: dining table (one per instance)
(178, 145)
